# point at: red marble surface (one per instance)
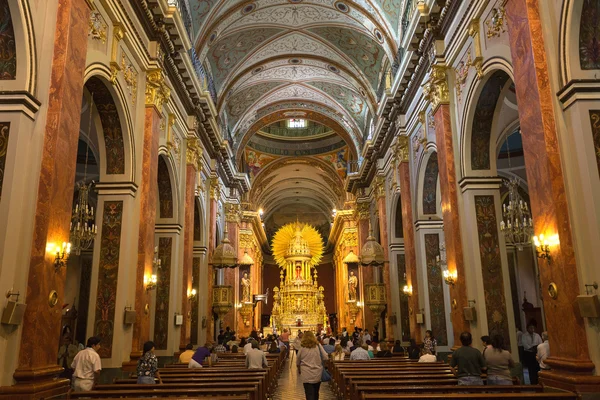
(148, 198)
(547, 189)
(383, 238)
(188, 253)
(212, 233)
(449, 191)
(410, 254)
(230, 279)
(366, 275)
(41, 324)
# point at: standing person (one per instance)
(255, 358)
(186, 356)
(430, 343)
(543, 352)
(469, 361)
(200, 355)
(486, 341)
(530, 342)
(147, 368)
(310, 365)
(375, 334)
(344, 332)
(366, 336)
(285, 338)
(499, 362)
(298, 342)
(86, 366)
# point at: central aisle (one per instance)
(290, 387)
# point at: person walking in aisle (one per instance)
(310, 365)
(86, 366)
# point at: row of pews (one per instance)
(228, 379)
(399, 378)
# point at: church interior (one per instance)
(400, 166)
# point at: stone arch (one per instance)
(116, 148)
(166, 187)
(18, 62)
(397, 220)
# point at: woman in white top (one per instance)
(338, 354)
(310, 365)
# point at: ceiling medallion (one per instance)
(257, 70)
(212, 38)
(333, 68)
(248, 8)
(378, 35)
(341, 6)
(295, 61)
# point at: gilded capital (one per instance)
(215, 189)
(379, 186)
(193, 155)
(363, 210)
(436, 88)
(402, 149)
(232, 212)
(157, 91)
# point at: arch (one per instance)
(398, 226)
(20, 63)
(166, 204)
(589, 35)
(430, 185)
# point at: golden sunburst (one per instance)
(287, 233)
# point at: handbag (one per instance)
(325, 375)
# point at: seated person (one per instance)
(200, 355)
(426, 356)
(360, 353)
(414, 352)
(330, 346)
(186, 356)
(467, 362)
(255, 357)
(273, 348)
(384, 350)
(398, 349)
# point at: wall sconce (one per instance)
(191, 294)
(359, 304)
(61, 254)
(150, 281)
(542, 248)
(407, 290)
(450, 277)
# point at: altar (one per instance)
(298, 302)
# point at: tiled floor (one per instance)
(290, 387)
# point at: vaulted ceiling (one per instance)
(321, 60)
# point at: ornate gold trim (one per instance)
(157, 91)
(436, 88)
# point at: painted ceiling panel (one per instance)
(240, 102)
(365, 52)
(351, 100)
(227, 52)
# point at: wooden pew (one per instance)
(474, 396)
(143, 393)
(363, 389)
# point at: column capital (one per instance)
(193, 154)
(436, 88)
(157, 91)
(232, 212)
(363, 210)
(379, 186)
(401, 149)
(215, 189)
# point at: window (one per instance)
(297, 123)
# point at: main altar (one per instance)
(298, 302)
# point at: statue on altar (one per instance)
(352, 285)
(245, 282)
(297, 249)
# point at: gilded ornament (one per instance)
(436, 88)
(402, 149)
(232, 212)
(363, 209)
(157, 91)
(193, 154)
(431, 120)
(97, 27)
(379, 186)
(495, 24)
(215, 189)
(130, 76)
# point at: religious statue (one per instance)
(298, 271)
(246, 288)
(352, 285)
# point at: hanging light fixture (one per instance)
(224, 255)
(516, 225)
(83, 229)
(372, 253)
(246, 259)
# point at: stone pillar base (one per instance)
(131, 365)
(38, 383)
(587, 386)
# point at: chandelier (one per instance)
(516, 225)
(83, 229)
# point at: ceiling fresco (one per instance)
(238, 103)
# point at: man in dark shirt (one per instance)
(469, 361)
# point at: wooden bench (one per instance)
(474, 396)
(144, 393)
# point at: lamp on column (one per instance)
(83, 229)
(372, 253)
(152, 280)
(442, 264)
(516, 224)
(224, 255)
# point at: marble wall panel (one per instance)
(435, 286)
(430, 185)
(161, 313)
(165, 192)
(8, 44)
(110, 249)
(4, 133)
(491, 266)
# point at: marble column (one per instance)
(570, 359)
(383, 239)
(192, 162)
(231, 274)
(156, 95)
(212, 238)
(36, 373)
(365, 317)
(408, 228)
(436, 91)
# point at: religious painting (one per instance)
(165, 193)
(430, 182)
(339, 161)
(4, 131)
(589, 35)
(435, 285)
(256, 161)
(161, 314)
(491, 266)
(594, 121)
(110, 250)
(8, 48)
